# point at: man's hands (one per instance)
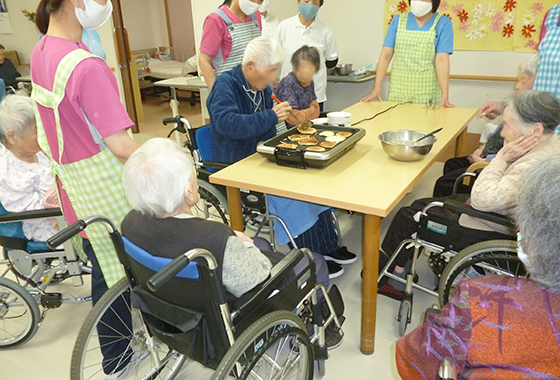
(282, 111)
(490, 110)
(476, 156)
(518, 148)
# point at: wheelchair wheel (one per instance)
(276, 346)
(19, 314)
(494, 257)
(212, 205)
(405, 312)
(147, 358)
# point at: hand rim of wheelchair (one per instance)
(86, 335)
(474, 254)
(31, 313)
(270, 321)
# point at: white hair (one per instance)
(264, 52)
(155, 177)
(530, 66)
(16, 114)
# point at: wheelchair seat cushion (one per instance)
(15, 238)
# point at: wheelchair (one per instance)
(35, 267)
(267, 333)
(454, 252)
(214, 198)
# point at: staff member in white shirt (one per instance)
(270, 22)
(305, 29)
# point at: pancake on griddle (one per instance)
(326, 134)
(297, 137)
(344, 134)
(316, 149)
(328, 144)
(287, 146)
(306, 131)
(308, 141)
(335, 139)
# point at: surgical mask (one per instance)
(308, 11)
(420, 8)
(94, 15)
(520, 253)
(265, 5)
(248, 7)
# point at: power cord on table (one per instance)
(380, 113)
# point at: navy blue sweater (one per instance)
(236, 127)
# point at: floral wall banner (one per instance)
(504, 25)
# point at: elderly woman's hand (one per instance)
(518, 148)
(490, 110)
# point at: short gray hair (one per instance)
(531, 107)
(155, 176)
(264, 52)
(307, 53)
(536, 214)
(16, 114)
(531, 66)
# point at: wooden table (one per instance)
(365, 180)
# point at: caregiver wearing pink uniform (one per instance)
(225, 35)
(82, 126)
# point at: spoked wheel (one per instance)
(212, 205)
(276, 346)
(19, 314)
(114, 343)
(495, 257)
(405, 312)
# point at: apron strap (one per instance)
(52, 99)
(224, 16)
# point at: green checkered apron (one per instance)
(414, 77)
(241, 35)
(93, 185)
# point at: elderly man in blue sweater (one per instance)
(242, 112)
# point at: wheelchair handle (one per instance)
(177, 265)
(75, 228)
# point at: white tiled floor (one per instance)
(47, 355)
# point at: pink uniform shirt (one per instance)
(215, 34)
(91, 90)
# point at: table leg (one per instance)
(461, 147)
(235, 211)
(371, 236)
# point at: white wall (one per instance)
(146, 23)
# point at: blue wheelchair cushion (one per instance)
(15, 230)
(204, 144)
(156, 263)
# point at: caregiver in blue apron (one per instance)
(225, 35)
(420, 43)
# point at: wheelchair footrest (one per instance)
(51, 300)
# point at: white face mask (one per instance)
(521, 253)
(265, 5)
(420, 8)
(94, 15)
(248, 7)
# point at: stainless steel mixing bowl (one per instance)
(399, 144)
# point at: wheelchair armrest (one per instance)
(277, 274)
(214, 165)
(30, 215)
(493, 217)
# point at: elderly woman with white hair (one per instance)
(27, 182)
(530, 120)
(501, 327)
(240, 105)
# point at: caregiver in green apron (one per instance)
(420, 43)
(225, 35)
(83, 127)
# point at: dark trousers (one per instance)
(115, 325)
(403, 226)
(320, 238)
(451, 171)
